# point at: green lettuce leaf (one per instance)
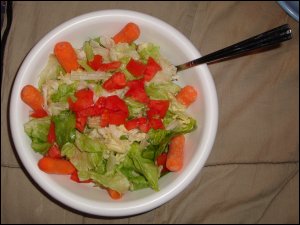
(50, 71)
(65, 123)
(116, 181)
(38, 129)
(148, 49)
(144, 166)
(137, 180)
(87, 144)
(85, 66)
(162, 91)
(64, 91)
(87, 48)
(135, 108)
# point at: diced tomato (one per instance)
(51, 134)
(81, 122)
(140, 83)
(114, 103)
(74, 177)
(104, 118)
(96, 62)
(136, 68)
(145, 127)
(156, 124)
(151, 69)
(115, 82)
(101, 102)
(84, 100)
(39, 113)
(139, 94)
(117, 118)
(132, 124)
(161, 161)
(135, 123)
(109, 66)
(158, 108)
(54, 152)
(90, 111)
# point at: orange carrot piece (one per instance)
(175, 154)
(32, 97)
(187, 95)
(66, 56)
(114, 194)
(56, 166)
(128, 34)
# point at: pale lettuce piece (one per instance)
(87, 144)
(122, 50)
(147, 50)
(50, 72)
(162, 91)
(56, 108)
(84, 65)
(65, 123)
(78, 158)
(135, 108)
(107, 42)
(93, 75)
(115, 181)
(63, 92)
(144, 166)
(37, 129)
(137, 180)
(87, 48)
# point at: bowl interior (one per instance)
(175, 47)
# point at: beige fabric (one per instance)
(252, 174)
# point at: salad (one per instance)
(109, 113)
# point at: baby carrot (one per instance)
(128, 34)
(187, 95)
(114, 194)
(32, 97)
(66, 56)
(175, 154)
(56, 166)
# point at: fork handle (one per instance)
(268, 38)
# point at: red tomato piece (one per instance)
(101, 102)
(136, 68)
(114, 103)
(115, 82)
(80, 123)
(96, 62)
(158, 108)
(151, 69)
(104, 118)
(51, 134)
(39, 113)
(54, 152)
(117, 118)
(109, 66)
(84, 100)
(161, 160)
(156, 124)
(139, 94)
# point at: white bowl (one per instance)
(178, 49)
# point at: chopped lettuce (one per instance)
(87, 144)
(37, 130)
(148, 49)
(122, 50)
(85, 66)
(115, 181)
(88, 51)
(64, 91)
(144, 166)
(50, 72)
(137, 180)
(162, 91)
(64, 127)
(135, 108)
